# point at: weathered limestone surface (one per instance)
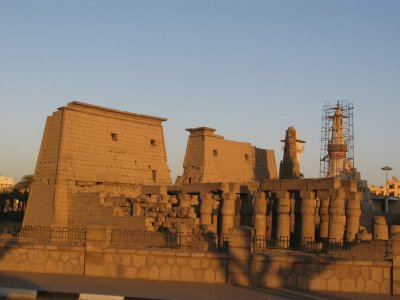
(162, 264)
(381, 229)
(337, 217)
(290, 164)
(211, 158)
(324, 274)
(260, 209)
(42, 258)
(86, 147)
(324, 215)
(241, 266)
(227, 212)
(307, 215)
(240, 255)
(282, 210)
(353, 213)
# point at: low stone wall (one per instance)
(274, 269)
(321, 273)
(155, 264)
(177, 265)
(42, 258)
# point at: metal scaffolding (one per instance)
(328, 111)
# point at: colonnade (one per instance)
(339, 213)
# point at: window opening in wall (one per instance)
(154, 174)
(153, 142)
(246, 157)
(114, 136)
(215, 152)
(190, 179)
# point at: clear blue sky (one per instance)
(250, 69)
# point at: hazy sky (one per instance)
(250, 69)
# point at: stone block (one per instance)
(303, 282)
(333, 284)
(94, 270)
(376, 274)
(244, 241)
(348, 285)
(318, 284)
(394, 229)
(175, 273)
(165, 272)
(381, 232)
(187, 274)
(154, 272)
(221, 275)
(209, 275)
(138, 261)
(360, 285)
(371, 287)
(381, 220)
(385, 287)
(396, 280)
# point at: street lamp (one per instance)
(386, 169)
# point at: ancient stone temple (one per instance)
(290, 164)
(211, 158)
(103, 174)
(309, 209)
(89, 152)
(337, 148)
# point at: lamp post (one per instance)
(386, 169)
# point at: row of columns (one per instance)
(339, 213)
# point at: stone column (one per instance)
(353, 213)
(337, 217)
(216, 214)
(260, 210)
(282, 215)
(307, 211)
(246, 210)
(206, 207)
(381, 230)
(269, 214)
(227, 212)
(240, 254)
(184, 200)
(323, 215)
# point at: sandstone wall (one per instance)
(162, 264)
(43, 259)
(322, 274)
(95, 149)
(194, 158)
(271, 270)
(103, 145)
(211, 158)
(43, 187)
